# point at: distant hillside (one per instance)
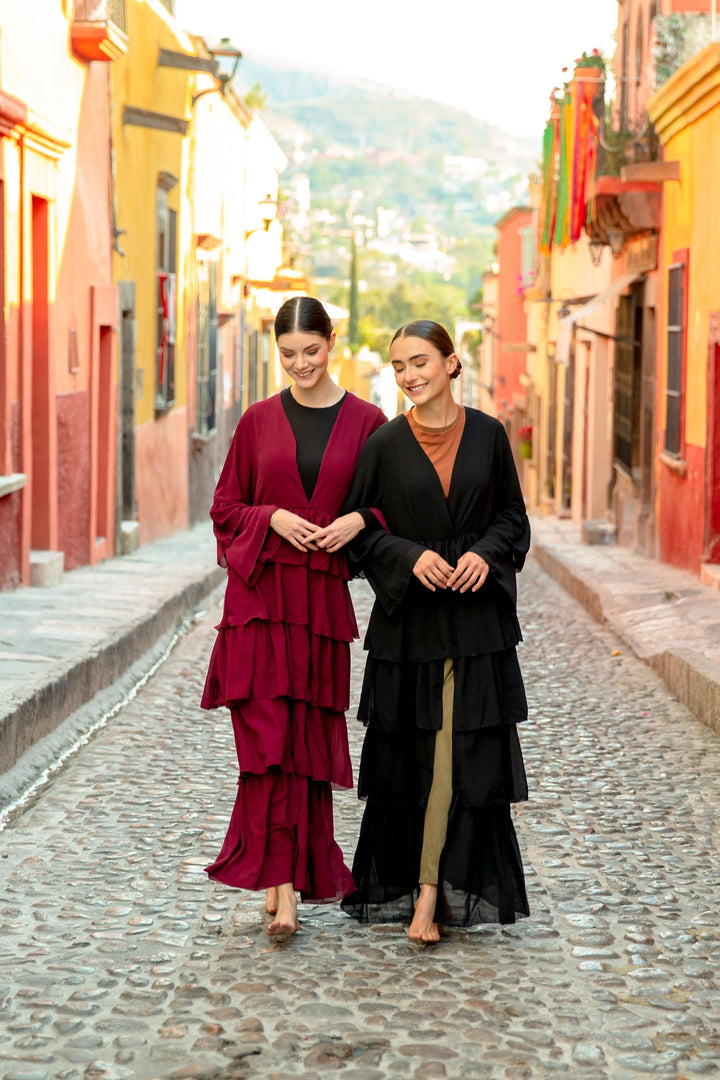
(364, 115)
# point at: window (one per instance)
(628, 372)
(677, 277)
(206, 365)
(165, 300)
(253, 367)
(528, 251)
(639, 48)
(624, 75)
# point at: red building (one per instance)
(516, 257)
(57, 303)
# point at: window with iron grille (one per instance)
(206, 361)
(627, 382)
(675, 349)
(165, 303)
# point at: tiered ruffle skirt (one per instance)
(281, 665)
(480, 875)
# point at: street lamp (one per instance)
(596, 250)
(616, 239)
(268, 212)
(226, 58)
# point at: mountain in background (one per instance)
(421, 183)
(327, 108)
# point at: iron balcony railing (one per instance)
(101, 11)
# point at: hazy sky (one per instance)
(498, 59)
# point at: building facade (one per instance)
(57, 299)
(686, 115)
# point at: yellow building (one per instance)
(686, 115)
(196, 262)
(150, 150)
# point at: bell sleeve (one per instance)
(506, 541)
(240, 526)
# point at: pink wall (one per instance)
(511, 325)
(85, 273)
(161, 457)
(58, 401)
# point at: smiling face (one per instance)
(421, 370)
(304, 356)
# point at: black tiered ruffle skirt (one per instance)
(481, 875)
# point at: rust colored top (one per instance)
(440, 444)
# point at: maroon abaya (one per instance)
(281, 660)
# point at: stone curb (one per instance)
(693, 679)
(46, 706)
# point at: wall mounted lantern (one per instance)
(616, 239)
(596, 250)
(268, 212)
(226, 59)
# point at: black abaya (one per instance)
(412, 631)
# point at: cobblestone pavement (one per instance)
(119, 959)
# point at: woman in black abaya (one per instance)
(442, 693)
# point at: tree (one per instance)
(256, 98)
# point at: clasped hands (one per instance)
(305, 536)
(435, 573)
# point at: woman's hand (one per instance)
(339, 532)
(432, 570)
(470, 573)
(296, 530)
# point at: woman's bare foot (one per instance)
(271, 900)
(423, 927)
(286, 920)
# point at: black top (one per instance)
(311, 428)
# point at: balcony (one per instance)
(98, 29)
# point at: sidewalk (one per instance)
(664, 615)
(62, 646)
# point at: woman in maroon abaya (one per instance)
(281, 659)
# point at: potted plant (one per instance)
(525, 440)
(590, 65)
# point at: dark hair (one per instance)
(436, 334)
(303, 313)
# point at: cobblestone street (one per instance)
(118, 958)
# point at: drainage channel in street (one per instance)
(31, 791)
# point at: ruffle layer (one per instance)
(271, 660)
(294, 737)
(247, 558)
(281, 830)
(426, 626)
(396, 768)
(481, 875)
(293, 593)
(402, 696)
